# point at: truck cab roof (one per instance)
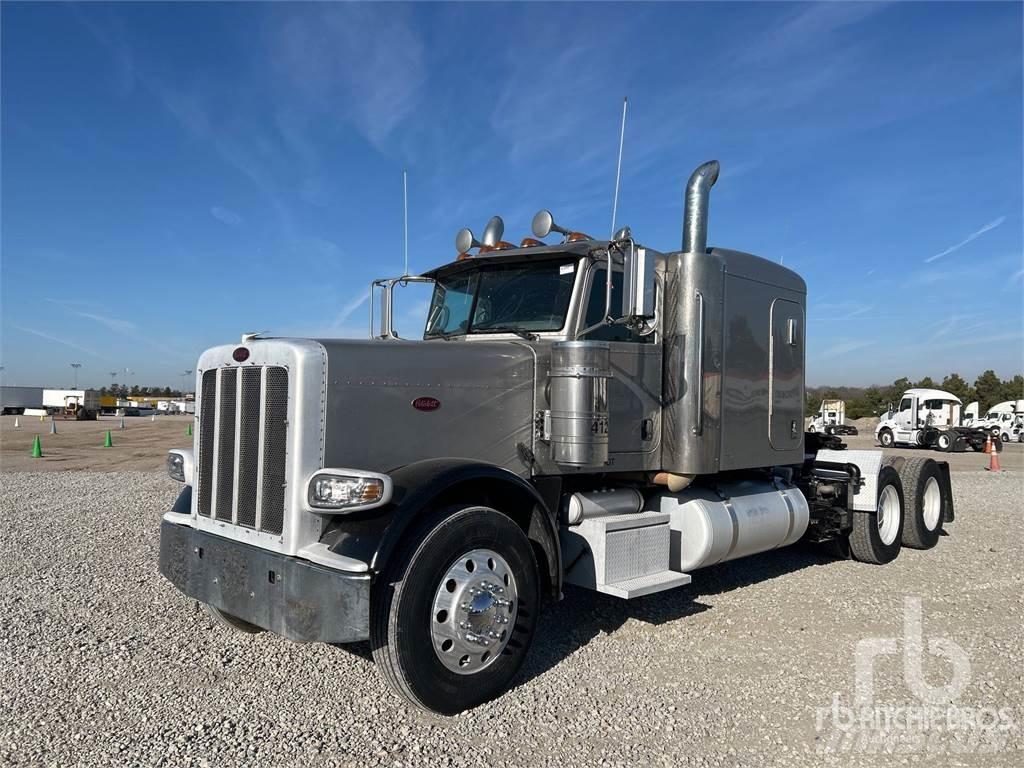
(931, 394)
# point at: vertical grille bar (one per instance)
(274, 434)
(228, 397)
(248, 445)
(207, 412)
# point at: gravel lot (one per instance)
(107, 664)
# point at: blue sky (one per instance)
(174, 175)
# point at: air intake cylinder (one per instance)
(579, 376)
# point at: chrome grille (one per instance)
(274, 449)
(242, 446)
(207, 411)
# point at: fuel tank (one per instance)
(712, 525)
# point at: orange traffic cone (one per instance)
(993, 460)
(988, 444)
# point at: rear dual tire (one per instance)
(875, 537)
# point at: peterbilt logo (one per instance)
(426, 403)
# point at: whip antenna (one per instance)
(405, 217)
(618, 166)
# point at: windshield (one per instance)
(502, 298)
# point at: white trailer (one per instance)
(72, 403)
(17, 399)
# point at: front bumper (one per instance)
(295, 598)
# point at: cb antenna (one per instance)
(618, 166)
(405, 217)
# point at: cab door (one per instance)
(634, 391)
(786, 376)
(906, 419)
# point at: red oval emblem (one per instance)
(426, 403)
(241, 354)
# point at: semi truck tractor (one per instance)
(578, 414)
(831, 419)
(1001, 419)
(928, 418)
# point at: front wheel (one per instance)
(885, 438)
(1005, 437)
(229, 621)
(875, 537)
(453, 617)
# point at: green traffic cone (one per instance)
(108, 441)
(37, 448)
(188, 429)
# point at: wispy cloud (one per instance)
(843, 310)
(59, 340)
(844, 348)
(225, 215)
(350, 307)
(330, 58)
(973, 236)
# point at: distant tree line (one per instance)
(123, 390)
(988, 389)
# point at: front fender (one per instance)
(422, 486)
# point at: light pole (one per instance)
(184, 378)
(76, 366)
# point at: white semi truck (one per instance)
(831, 419)
(1001, 419)
(928, 418)
(580, 412)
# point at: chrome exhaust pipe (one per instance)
(695, 215)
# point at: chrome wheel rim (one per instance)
(932, 504)
(888, 514)
(474, 611)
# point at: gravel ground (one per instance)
(105, 663)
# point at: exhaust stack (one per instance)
(695, 215)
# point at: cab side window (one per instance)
(905, 404)
(595, 310)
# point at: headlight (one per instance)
(176, 466)
(340, 490)
(179, 465)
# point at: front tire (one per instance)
(885, 438)
(875, 537)
(228, 621)
(453, 616)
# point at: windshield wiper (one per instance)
(508, 329)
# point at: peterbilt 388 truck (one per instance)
(578, 412)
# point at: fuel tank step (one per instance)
(622, 555)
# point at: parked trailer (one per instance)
(928, 418)
(562, 421)
(78, 404)
(831, 419)
(14, 400)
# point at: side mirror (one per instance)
(638, 283)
